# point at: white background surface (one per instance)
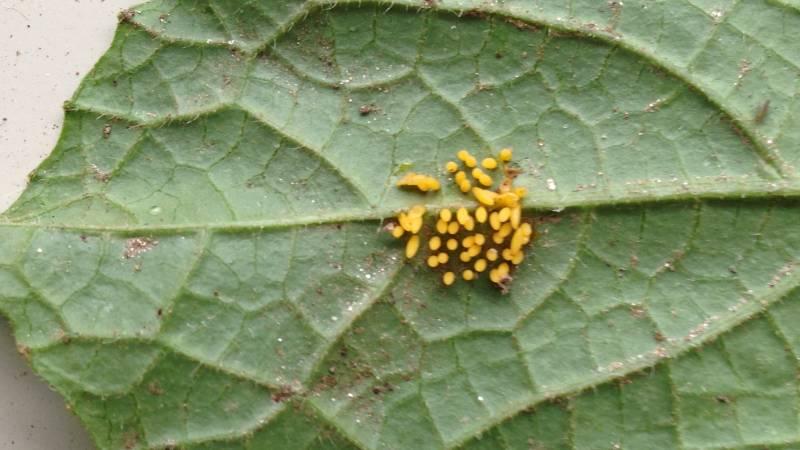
(46, 47)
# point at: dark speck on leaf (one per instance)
(285, 392)
(366, 110)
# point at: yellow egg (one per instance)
(518, 258)
(404, 221)
(417, 211)
(398, 231)
(452, 244)
(481, 214)
(517, 241)
(416, 224)
(503, 268)
(468, 241)
(443, 258)
(452, 227)
(469, 225)
(495, 276)
(441, 226)
(505, 230)
(509, 199)
(462, 215)
(494, 221)
(504, 215)
(483, 196)
(412, 246)
(516, 217)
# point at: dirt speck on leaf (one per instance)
(522, 25)
(126, 15)
(137, 246)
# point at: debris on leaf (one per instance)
(136, 246)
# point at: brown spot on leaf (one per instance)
(284, 392)
(155, 389)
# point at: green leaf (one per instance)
(199, 263)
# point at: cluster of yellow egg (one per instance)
(490, 237)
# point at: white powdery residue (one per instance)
(551, 184)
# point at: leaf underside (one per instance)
(199, 264)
